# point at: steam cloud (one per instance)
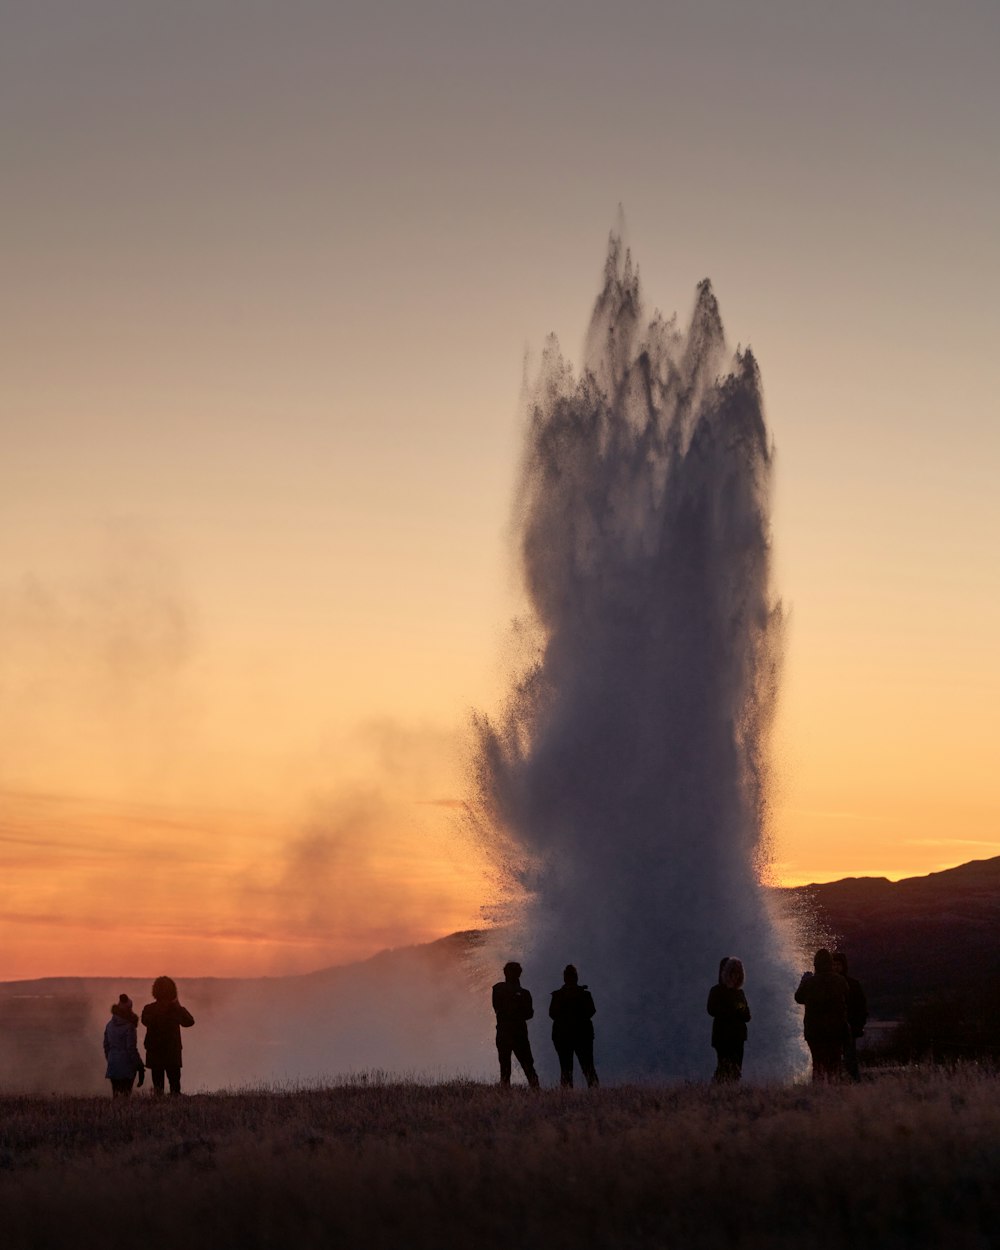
(626, 780)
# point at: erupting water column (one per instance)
(626, 780)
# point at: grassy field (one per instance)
(905, 1160)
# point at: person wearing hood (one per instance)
(857, 1016)
(513, 1009)
(823, 993)
(571, 1011)
(164, 1018)
(730, 1012)
(121, 1049)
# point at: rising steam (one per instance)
(626, 781)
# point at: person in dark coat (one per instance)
(572, 1010)
(857, 1015)
(164, 1018)
(513, 1007)
(824, 995)
(730, 1012)
(121, 1049)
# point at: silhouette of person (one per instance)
(730, 1012)
(164, 1018)
(513, 1008)
(857, 1016)
(823, 993)
(571, 1010)
(121, 1049)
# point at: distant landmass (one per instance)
(925, 948)
(917, 940)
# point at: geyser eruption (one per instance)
(626, 779)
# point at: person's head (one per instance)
(570, 975)
(823, 960)
(512, 971)
(123, 1008)
(840, 963)
(164, 989)
(733, 975)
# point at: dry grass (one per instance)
(905, 1161)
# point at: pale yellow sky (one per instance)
(270, 282)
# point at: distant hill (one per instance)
(926, 950)
(915, 940)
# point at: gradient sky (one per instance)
(270, 274)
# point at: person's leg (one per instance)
(826, 1060)
(565, 1054)
(121, 1089)
(728, 1067)
(522, 1050)
(585, 1054)
(503, 1053)
(174, 1077)
(157, 1074)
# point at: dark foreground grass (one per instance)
(910, 1160)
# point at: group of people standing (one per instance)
(164, 1018)
(835, 1016)
(571, 1010)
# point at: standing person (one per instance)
(730, 1012)
(824, 995)
(164, 1018)
(121, 1049)
(572, 1010)
(513, 1007)
(857, 1015)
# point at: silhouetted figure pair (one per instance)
(164, 1018)
(121, 1049)
(730, 1012)
(513, 1007)
(824, 995)
(857, 1016)
(572, 1010)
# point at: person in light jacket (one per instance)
(164, 1018)
(730, 1012)
(121, 1050)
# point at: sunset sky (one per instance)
(272, 274)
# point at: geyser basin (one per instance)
(626, 781)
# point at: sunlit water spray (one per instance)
(625, 784)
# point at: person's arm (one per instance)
(591, 1009)
(107, 1048)
(745, 1007)
(184, 1018)
(800, 993)
(553, 1013)
(526, 1005)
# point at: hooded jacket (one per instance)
(120, 1048)
(730, 1012)
(513, 1006)
(571, 1009)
